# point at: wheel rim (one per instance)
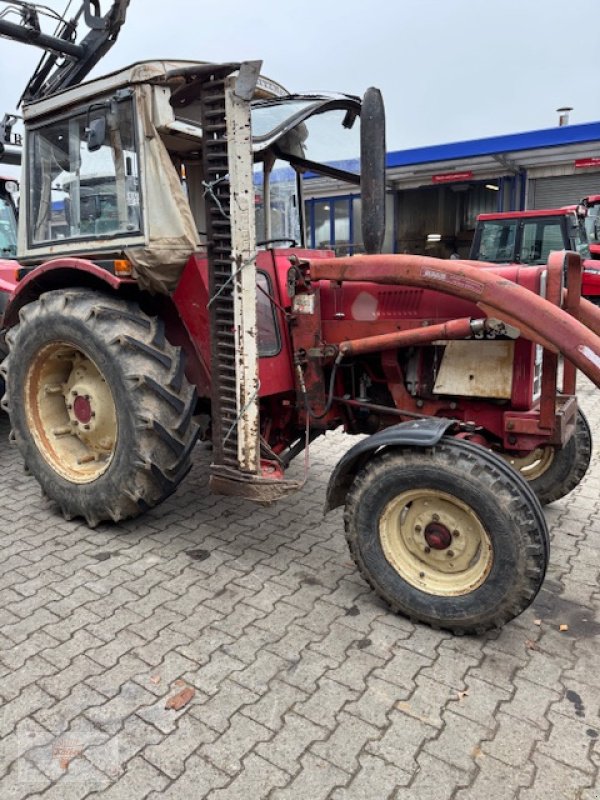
(534, 464)
(71, 412)
(435, 542)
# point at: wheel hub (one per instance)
(436, 542)
(71, 412)
(82, 408)
(437, 536)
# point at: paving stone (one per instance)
(375, 778)
(481, 701)
(317, 779)
(530, 702)
(139, 779)
(111, 755)
(568, 742)
(209, 677)
(401, 742)
(183, 739)
(496, 781)
(31, 699)
(274, 704)
(217, 710)
(242, 736)
(323, 705)
(109, 681)
(256, 780)
(80, 699)
(433, 780)
(111, 715)
(291, 741)
(110, 653)
(345, 743)
(513, 740)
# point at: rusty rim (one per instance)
(534, 464)
(435, 542)
(71, 412)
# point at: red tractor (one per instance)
(528, 238)
(177, 301)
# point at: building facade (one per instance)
(435, 193)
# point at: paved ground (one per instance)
(305, 686)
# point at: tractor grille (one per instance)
(222, 326)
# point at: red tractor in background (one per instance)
(179, 302)
(528, 238)
(592, 223)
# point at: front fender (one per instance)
(425, 432)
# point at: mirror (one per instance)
(96, 134)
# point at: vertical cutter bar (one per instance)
(243, 247)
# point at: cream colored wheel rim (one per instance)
(71, 412)
(417, 519)
(534, 464)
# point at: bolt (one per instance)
(93, 413)
(450, 553)
(421, 574)
(73, 392)
(87, 397)
(418, 528)
(435, 517)
(456, 534)
(428, 549)
(69, 406)
(86, 427)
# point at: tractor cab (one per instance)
(115, 172)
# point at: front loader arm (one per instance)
(66, 62)
(537, 318)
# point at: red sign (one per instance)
(452, 177)
(582, 163)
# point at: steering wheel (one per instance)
(293, 242)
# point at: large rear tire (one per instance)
(553, 473)
(450, 536)
(100, 407)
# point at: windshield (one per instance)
(268, 117)
(592, 224)
(315, 138)
(75, 192)
(8, 229)
(498, 240)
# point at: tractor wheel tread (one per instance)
(494, 477)
(160, 400)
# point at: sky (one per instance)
(449, 70)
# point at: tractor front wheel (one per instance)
(450, 536)
(554, 472)
(99, 404)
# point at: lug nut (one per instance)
(456, 534)
(418, 528)
(428, 549)
(421, 574)
(435, 517)
(450, 553)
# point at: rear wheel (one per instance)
(99, 404)
(552, 473)
(449, 536)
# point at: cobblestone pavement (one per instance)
(306, 687)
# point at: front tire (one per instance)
(551, 472)
(99, 404)
(449, 536)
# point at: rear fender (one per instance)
(60, 273)
(425, 432)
